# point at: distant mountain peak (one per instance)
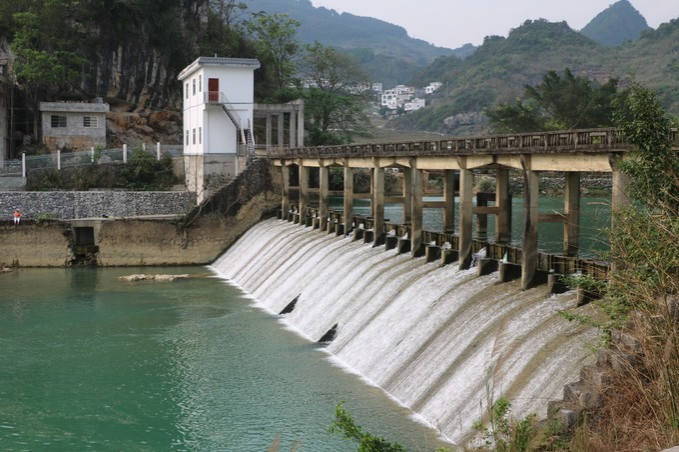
(617, 24)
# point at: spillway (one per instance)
(442, 341)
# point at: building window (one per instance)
(200, 135)
(187, 90)
(200, 83)
(194, 136)
(90, 121)
(194, 86)
(58, 121)
(187, 136)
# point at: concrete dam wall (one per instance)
(443, 341)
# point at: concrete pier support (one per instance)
(416, 212)
(481, 218)
(571, 227)
(466, 209)
(503, 201)
(529, 260)
(407, 201)
(377, 203)
(323, 196)
(303, 193)
(449, 201)
(620, 196)
(285, 196)
(348, 197)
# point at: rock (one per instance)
(162, 278)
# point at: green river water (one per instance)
(90, 362)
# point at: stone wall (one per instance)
(74, 204)
(196, 238)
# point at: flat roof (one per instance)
(252, 63)
(76, 107)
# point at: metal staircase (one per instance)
(245, 133)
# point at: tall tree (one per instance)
(45, 46)
(277, 46)
(652, 165)
(335, 94)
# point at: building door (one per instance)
(213, 89)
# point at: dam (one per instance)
(443, 341)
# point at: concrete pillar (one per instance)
(300, 124)
(416, 208)
(503, 201)
(268, 130)
(529, 261)
(303, 192)
(466, 208)
(281, 130)
(481, 218)
(620, 197)
(377, 203)
(348, 196)
(571, 227)
(449, 200)
(285, 197)
(323, 196)
(293, 130)
(407, 193)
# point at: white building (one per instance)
(218, 107)
(414, 105)
(433, 86)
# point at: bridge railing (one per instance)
(585, 140)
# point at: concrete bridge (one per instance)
(569, 152)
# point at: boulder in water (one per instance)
(142, 277)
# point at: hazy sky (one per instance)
(453, 23)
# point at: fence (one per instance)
(19, 168)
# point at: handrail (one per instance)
(585, 140)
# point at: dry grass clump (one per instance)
(640, 409)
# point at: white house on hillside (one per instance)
(218, 107)
(433, 86)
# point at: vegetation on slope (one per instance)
(501, 68)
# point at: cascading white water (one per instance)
(442, 341)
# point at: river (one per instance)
(90, 362)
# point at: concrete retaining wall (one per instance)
(196, 238)
(74, 204)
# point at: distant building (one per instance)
(218, 108)
(73, 125)
(377, 87)
(433, 86)
(414, 105)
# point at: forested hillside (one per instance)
(385, 51)
(130, 52)
(501, 68)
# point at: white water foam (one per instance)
(441, 341)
